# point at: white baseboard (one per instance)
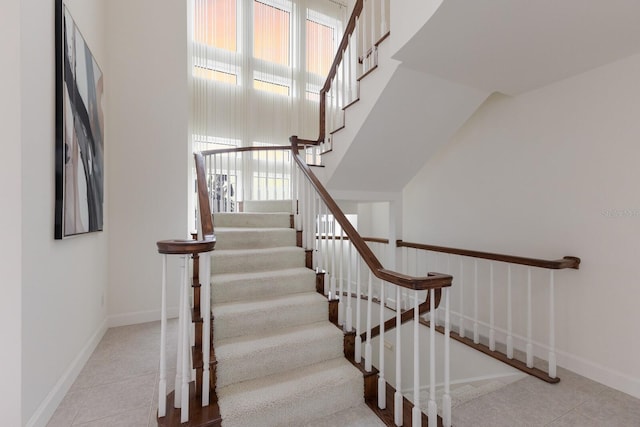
(602, 374)
(124, 319)
(46, 409)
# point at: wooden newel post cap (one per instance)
(186, 247)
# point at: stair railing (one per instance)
(482, 273)
(344, 262)
(320, 216)
(356, 56)
(187, 400)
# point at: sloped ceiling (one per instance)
(513, 46)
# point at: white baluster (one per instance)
(349, 315)
(186, 346)
(476, 333)
(383, 18)
(552, 325)
(205, 303)
(492, 332)
(416, 414)
(509, 316)
(353, 57)
(341, 287)
(367, 347)
(433, 406)
(446, 398)
(310, 202)
(529, 322)
(372, 25)
(319, 266)
(358, 350)
(333, 258)
(297, 199)
(227, 208)
(177, 402)
(462, 331)
(382, 384)
(162, 385)
(341, 82)
(363, 21)
(398, 398)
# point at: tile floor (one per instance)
(118, 388)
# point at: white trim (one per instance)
(45, 411)
(599, 373)
(125, 319)
(591, 370)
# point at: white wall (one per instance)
(148, 157)
(63, 282)
(544, 174)
(10, 218)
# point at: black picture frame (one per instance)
(79, 138)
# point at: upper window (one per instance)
(271, 33)
(320, 47)
(264, 55)
(215, 23)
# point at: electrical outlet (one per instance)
(388, 345)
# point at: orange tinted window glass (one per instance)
(319, 48)
(270, 33)
(217, 23)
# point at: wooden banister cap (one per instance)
(186, 247)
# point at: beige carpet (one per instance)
(280, 362)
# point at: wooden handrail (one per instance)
(433, 281)
(406, 315)
(566, 262)
(245, 149)
(206, 220)
(185, 247)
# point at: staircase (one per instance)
(280, 362)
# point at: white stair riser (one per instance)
(228, 325)
(261, 285)
(306, 398)
(267, 206)
(244, 261)
(270, 220)
(280, 355)
(254, 238)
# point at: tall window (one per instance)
(258, 66)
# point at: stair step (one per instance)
(236, 319)
(293, 398)
(267, 206)
(254, 260)
(252, 219)
(254, 238)
(283, 350)
(263, 284)
(359, 416)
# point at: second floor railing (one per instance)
(356, 56)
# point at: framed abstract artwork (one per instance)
(79, 142)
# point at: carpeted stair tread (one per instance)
(235, 319)
(293, 398)
(253, 260)
(262, 284)
(280, 351)
(254, 238)
(359, 416)
(252, 219)
(268, 206)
